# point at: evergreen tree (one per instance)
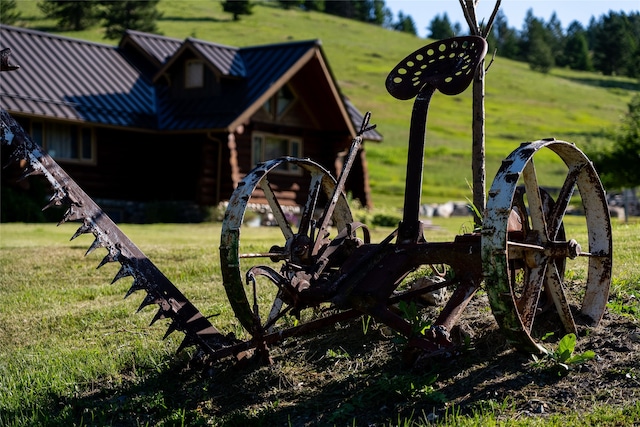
(618, 165)
(441, 28)
(344, 8)
(237, 8)
(614, 44)
(535, 44)
(380, 14)
(505, 39)
(120, 16)
(317, 5)
(71, 15)
(554, 37)
(8, 13)
(576, 49)
(405, 24)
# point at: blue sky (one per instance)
(423, 11)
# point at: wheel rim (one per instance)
(235, 263)
(515, 293)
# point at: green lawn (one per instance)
(69, 340)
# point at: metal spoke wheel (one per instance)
(528, 248)
(263, 282)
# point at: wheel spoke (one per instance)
(310, 204)
(532, 287)
(556, 289)
(536, 208)
(558, 211)
(276, 209)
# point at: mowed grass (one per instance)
(67, 333)
(521, 105)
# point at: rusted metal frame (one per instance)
(367, 286)
(270, 338)
(337, 192)
(172, 303)
(230, 234)
(409, 230)
(310, 205)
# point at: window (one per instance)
(194, 74)
(280, 102)
(267, 147)
(65, 142)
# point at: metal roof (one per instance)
(77, 80)
(72, 79)
(225, 59)
(160, 48)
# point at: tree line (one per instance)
(610, 44)
(115, 16)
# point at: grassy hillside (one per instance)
(521, 105)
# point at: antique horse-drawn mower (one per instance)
(326, 269)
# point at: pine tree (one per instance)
(614, 44)
(441, 28)
(503, 38)
(405, 24)
(535, 44)
(237, 8)
(618, 165)
(71, 15)
(8, 13)
(120, 16)
(576, 49)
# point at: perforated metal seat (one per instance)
(448, 65)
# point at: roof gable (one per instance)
(157, 48)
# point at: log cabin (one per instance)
(158, 121)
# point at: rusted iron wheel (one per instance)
(261, 301)
(526, 245)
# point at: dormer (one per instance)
(199, 69)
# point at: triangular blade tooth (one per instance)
(95, 245)
(110, 257)
(72, 214)
(84, 229)
(125, 271)
(56, 200)
(186, 342)
(137, 285)
(29, 171)
(159, 315)
(148, 300)
(172, 327)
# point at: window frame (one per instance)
(259, 145)
(42, 133)
(271, 106)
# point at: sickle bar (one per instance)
(173, 305)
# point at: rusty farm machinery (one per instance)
(325, 269)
